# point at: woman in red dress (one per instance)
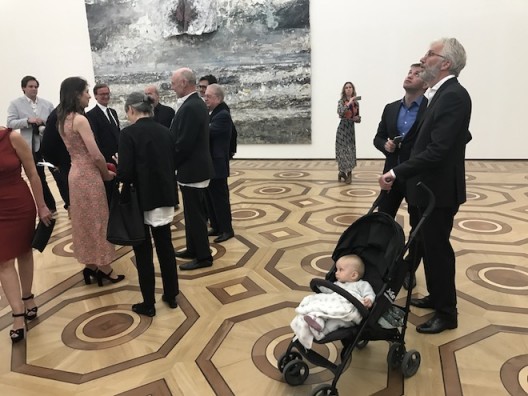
(17, 226)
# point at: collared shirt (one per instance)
(104, 109)
(181, 100)
(432, 91)
(407, 115)
(32, 103)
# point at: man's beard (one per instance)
(429, 74)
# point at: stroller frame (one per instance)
(291, 364)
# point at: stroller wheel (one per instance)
(325, 390)
(411, 363)
(286, 358)
(395, 355)
(362, 344)
(296, 372)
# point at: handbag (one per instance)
(42, 235)
(125, 221)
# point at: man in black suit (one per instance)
(437, 160)
(190, 130)
(220, 127)
(163, 115)
(401, 118)
(105, 126)
(54, 151)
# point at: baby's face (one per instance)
(346, 272)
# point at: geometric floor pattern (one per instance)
(233, 318)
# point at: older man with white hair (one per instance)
(190, 129)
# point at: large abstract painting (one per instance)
(258, 49)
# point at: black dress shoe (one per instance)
(144, 309)
(224, 236)
(213, 232)
(195, 264)
(407, 282)
(184, 254)
(171, 301)
(437, 324)
(422, 302)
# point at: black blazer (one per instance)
(53, 148)
(190, 131)
(438, 155)
(220, 127)
(146, 158)
(163, 114)
(106, 135)
(387, 128)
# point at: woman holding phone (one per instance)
(348, 111)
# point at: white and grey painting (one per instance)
(258, 49)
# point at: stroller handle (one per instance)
(431, 201)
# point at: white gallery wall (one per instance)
(369, 42)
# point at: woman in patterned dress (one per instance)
(88, 203)
(348, 111)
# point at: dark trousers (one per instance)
(196, 222)
(218, 205)
(61, 178)
(390, 204)
(48, 196)
(167, 260)
(438, 257)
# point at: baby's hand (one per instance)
(367, 302)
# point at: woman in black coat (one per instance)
(146, 159)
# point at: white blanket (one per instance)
(330, 310)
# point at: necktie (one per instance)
(111, 118)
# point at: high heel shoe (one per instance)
(348, 179)
(341, 175)
(17, 335)
(88, 274)
(101, 275)
(31, 313)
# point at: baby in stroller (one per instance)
(322, 313)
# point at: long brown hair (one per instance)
(343, 94)
(70, 91)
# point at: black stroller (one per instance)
(380, 242)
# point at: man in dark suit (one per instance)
(437, 160)
(105, 126)
(220, 127)
(163, 115)
(54, 151)
(190, 130)
(401, 118)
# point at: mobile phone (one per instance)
(397, 139)
(357, 98)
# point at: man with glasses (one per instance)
(217, 198)
(203, 82)
(105, 126)
(29, 114)
(437, 160)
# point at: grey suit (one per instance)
(17, 118)
(18, 113)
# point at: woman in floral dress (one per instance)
(348, 111)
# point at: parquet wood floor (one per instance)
(233, 318)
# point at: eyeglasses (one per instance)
(430, 53)
(202, 86)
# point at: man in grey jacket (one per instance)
(29, 114)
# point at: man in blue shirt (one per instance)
(395, 139)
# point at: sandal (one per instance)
(17, 335)
(31, 313)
